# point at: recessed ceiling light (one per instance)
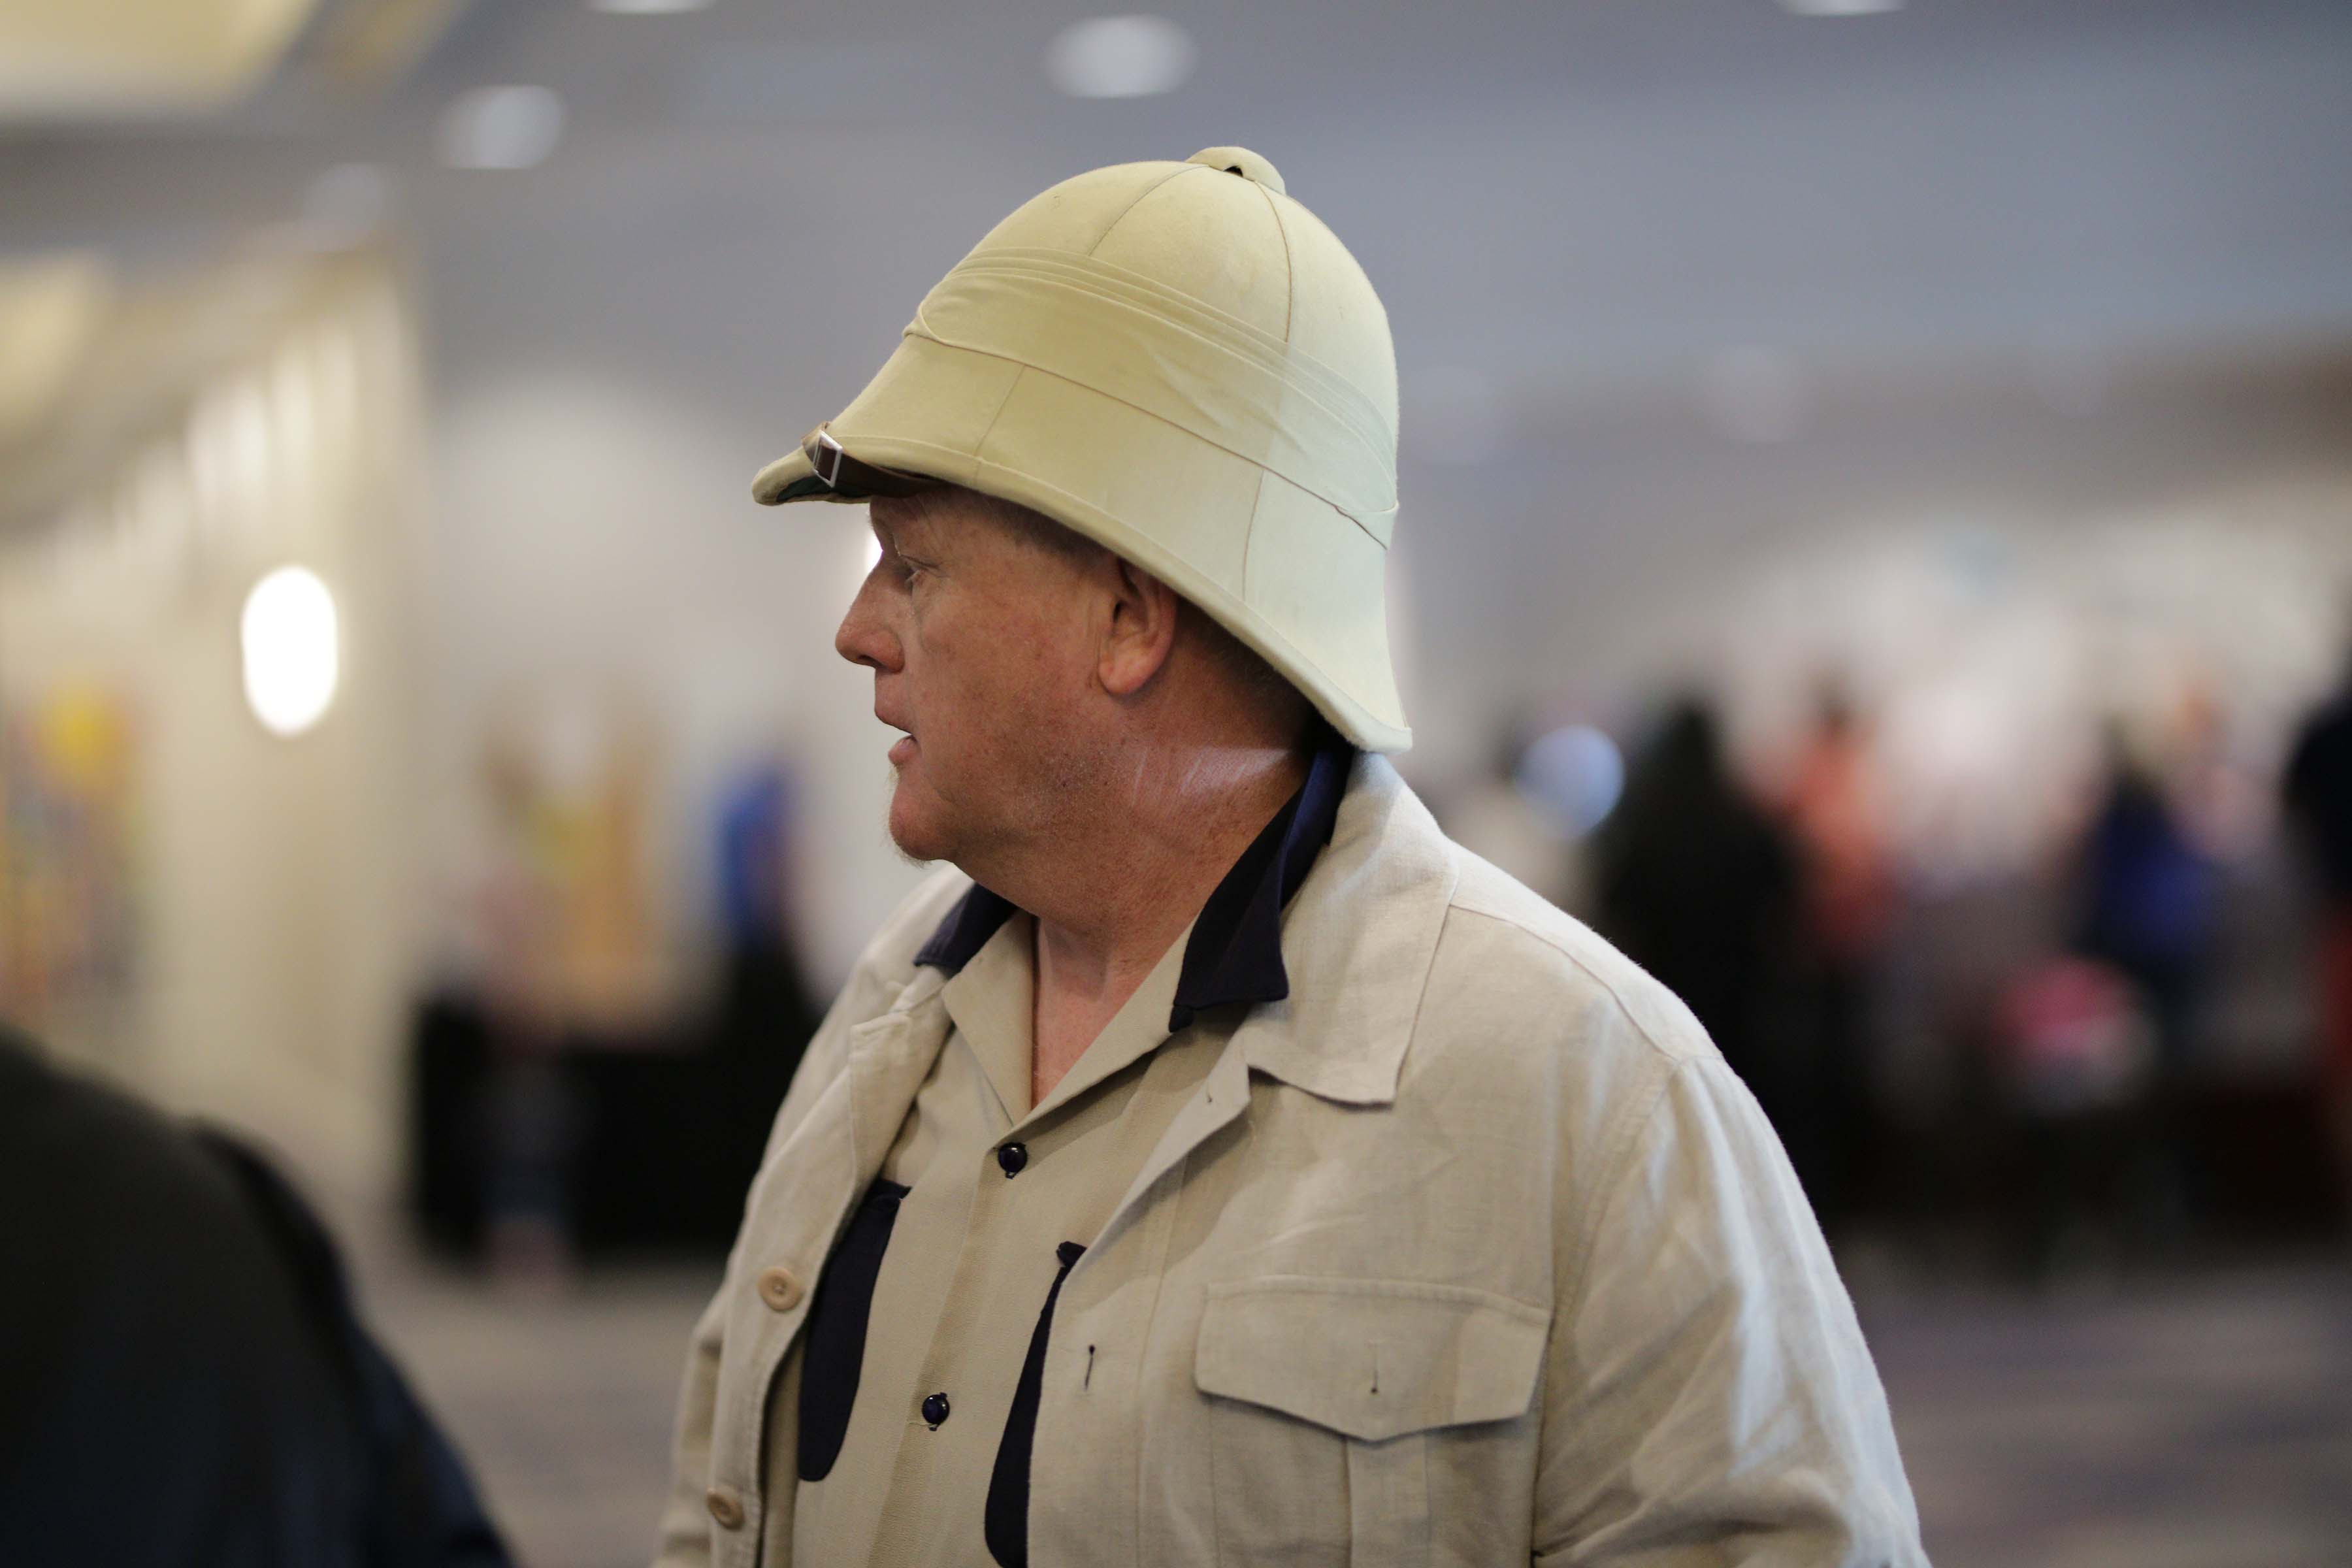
(647, 7)
(1120, 57)
(1840, 8)
(501, 128)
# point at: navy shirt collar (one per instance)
(1235, 952)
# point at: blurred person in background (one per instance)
(1216, 1164)
(2318, 791)
(2075, 1058)
(2147, 905)
(2147, 898)
(1846, 887)
(765, 1011)
(185, 1381)
(1694, 882)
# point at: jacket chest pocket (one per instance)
(1326, 1395)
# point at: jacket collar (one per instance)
(1361, 936)
(1235, 956)
(1358, 936)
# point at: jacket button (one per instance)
(1013, 1157)
(935, 1410)
(780, 1289)
(725, 1507)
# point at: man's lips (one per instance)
(902, 750)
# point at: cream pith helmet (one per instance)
(1182, 364)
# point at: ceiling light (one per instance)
(1120, 57)
(501, 128)
(292, 651)
(647, 7)
(1840, 8)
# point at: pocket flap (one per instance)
(1370, 1357)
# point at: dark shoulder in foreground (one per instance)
(184, 1383)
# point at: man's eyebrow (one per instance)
(910, 540)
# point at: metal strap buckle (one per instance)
(845, 475)
(824, 455)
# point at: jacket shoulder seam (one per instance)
(1616, 997)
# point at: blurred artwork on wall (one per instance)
(68, 893)
(566, 897)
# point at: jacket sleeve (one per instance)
(1708, 1398)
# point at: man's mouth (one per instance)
(902, 750)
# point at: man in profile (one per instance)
(1211, 1162)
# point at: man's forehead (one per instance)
(921, 513)
(945, 517)
(897, 524)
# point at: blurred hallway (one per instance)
(1980, 375)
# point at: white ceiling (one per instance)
(1553, 194)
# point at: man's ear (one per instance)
(1140, 631)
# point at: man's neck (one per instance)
(1118, 891)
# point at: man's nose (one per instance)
(863, 638)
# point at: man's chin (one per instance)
(918, 839)
(915, 854)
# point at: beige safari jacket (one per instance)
(1473, 1251)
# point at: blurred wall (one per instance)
(593, 545)
(274, 894)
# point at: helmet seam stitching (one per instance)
(1003, 403)
(1289, 267)
(1103, 236)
